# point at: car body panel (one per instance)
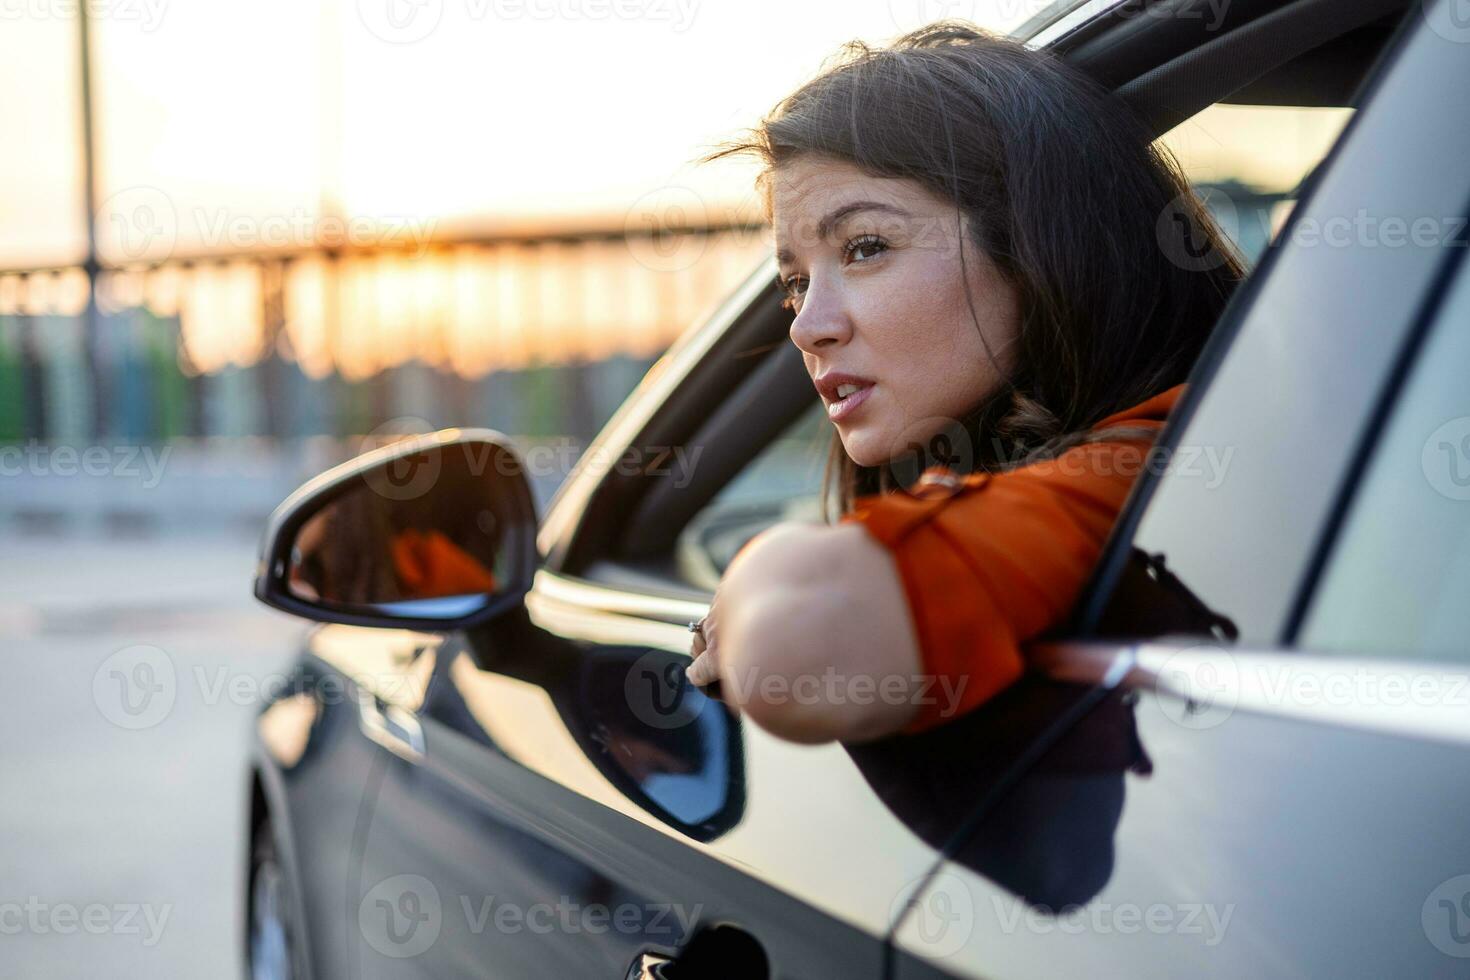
(1254, 844)
(1318, 816)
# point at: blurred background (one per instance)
(237, 241)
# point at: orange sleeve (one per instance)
(428, 565)
(990, 561)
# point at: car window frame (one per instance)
(574, 538)
(1452, 277)
(1209, 404)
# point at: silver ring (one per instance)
(697, 626)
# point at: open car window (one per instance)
(782, 483)
(1248, 163)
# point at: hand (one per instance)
(705, 668)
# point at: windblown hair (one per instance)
(1120, 270)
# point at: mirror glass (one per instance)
(427, 535)
(676, 745)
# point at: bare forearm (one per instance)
(816, 639)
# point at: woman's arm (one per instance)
(815, 640)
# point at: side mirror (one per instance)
(437, 532)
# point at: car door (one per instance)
(563, 802)
(1271, 786)
(320, 737)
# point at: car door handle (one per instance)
(394, 728)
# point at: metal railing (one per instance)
(537, 333)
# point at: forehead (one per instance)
(808, 189)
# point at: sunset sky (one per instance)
(429, 113)
(233, 128)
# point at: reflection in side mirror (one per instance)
(433, 532)
(662, 741)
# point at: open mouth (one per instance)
(849, 397)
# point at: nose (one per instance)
(822, 321)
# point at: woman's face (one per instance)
(872, 268)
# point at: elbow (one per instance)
(808, 724)
(814, 639)
(779, 673)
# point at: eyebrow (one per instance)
(825, 226)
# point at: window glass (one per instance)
(1398, 578)
(1247, 163)
(782, 483)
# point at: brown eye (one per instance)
(865, 243)
(788, 286)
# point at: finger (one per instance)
(703, 670)
(695, 672)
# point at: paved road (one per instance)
(120, 823)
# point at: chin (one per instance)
(864, 446)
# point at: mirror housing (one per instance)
(435, 532)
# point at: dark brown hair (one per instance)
(1120, 270)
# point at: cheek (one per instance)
(931, 353)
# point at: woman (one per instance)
(988, 263)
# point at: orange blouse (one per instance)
(429, 565)
(993, 560)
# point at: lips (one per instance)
(843, 393)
